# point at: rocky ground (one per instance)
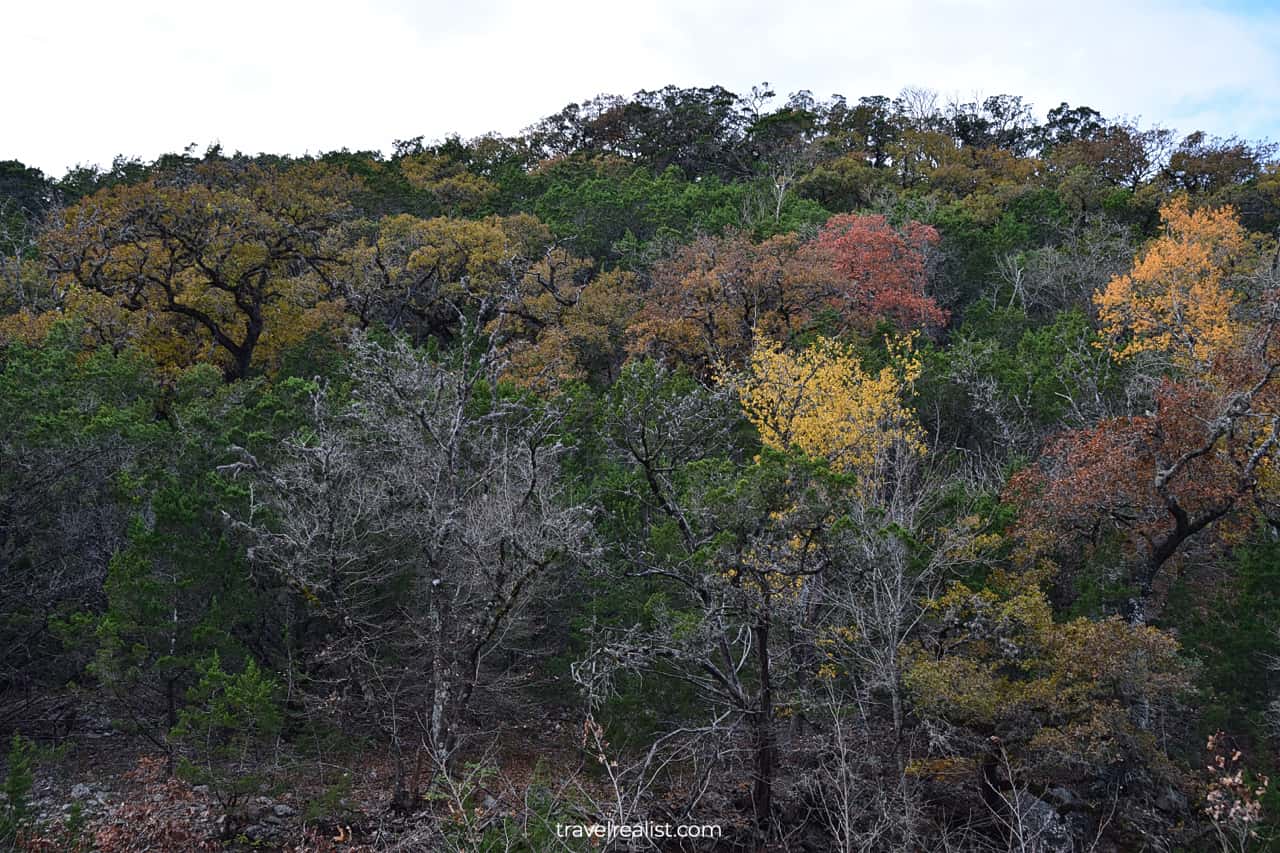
(102, 791)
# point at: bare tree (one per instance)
(920, 107)
(416, 518)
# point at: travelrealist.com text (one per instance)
(647, 829)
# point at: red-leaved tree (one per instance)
(711, 299)
(884, 269)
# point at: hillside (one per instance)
(784, 473)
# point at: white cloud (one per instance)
(89, 80)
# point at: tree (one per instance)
(710, 301)
(431, 277)
(563, 323)
(821, 402)
(1211, 166)
(741, 551)
(845, 183)
(456, 190)
(25, 195)
(1001, 121)
(621, 214)
(782, 144)
(213, 250)
(414, 517)
(19, 776)
(869, 129)
(1121, 152)
(28, 298)
(1065, 124)
(1198, 461)
(1201, 455)
(78, 429)
(895, 546)
(697, 130)
(731, 553)
(1176, 300)
(176, 592)
(1036, 704)
(886, 270)
(230, 725)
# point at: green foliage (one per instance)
(120, 471)
(845, 184)
(1228, 616)
(980, 229)
(1098, 585)
(472, 825)
(333, 803)
(19, 777)
(1048, 367)
(176, 591)
(625, 215)
(62, 393)
(77, 425)
(229, 727)
(74, 828)
(384, 190)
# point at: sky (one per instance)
(85, 81)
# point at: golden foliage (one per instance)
(1066, 689)
(1176, 299)
(421, 275)
(458, 191)
(821, 401)
(559, 331)
(192, 267)
(26, 327)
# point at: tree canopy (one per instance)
(845, 474)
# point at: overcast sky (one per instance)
(86, 81)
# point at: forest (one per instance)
(889, 474)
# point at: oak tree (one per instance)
(212, 252)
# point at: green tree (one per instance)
(229, 728)
(176, 592)
(78, 428)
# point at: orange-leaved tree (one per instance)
(1203, 451)
(1177, 299)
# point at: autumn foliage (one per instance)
(1177, 300)
(709, 301)
(1130, 475)
(853, 475)
(1201, 456)
(206, 265)
(821, 401)
(884, 270)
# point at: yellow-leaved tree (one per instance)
(457, 191)
(821, 401)
(430, 277)
(1177, 300)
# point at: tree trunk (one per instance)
(401, 796)
(765, 745)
